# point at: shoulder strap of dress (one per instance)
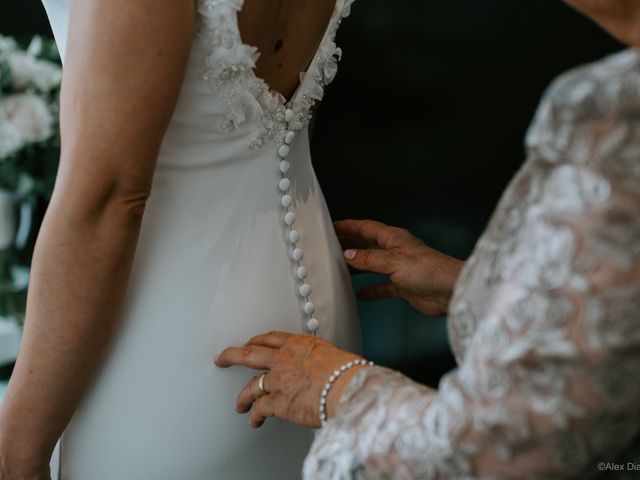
(324, 65)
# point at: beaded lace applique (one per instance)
(230, 72)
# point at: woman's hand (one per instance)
(297, 369)
(420, 275)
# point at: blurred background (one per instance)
(423, 128)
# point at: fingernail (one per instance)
(350, 254)
(215, 359)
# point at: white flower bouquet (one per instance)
(30, 78)
(29, 91)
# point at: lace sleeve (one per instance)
(547, 385)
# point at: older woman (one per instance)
(544, 321)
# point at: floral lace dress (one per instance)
(545, 321)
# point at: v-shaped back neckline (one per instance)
(230, 72)
(275, 94)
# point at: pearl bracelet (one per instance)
(332, 379)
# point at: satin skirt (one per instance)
(212, 269)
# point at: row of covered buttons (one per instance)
(286, 200)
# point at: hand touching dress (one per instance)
(298, 366)
(374, 247)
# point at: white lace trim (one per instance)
(230, 72)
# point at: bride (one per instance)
(186, 217)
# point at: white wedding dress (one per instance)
(236, 241)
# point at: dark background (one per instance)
(424, 127)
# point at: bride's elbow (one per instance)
(131, 202)
(112, 200)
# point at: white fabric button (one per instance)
(288, 115)
(297, 255)
(302, 273)
(294, 236)
(290, 137)
(305, 290)
(284, 150)
(286, 201)
(284, 166)
(309, 308)
(313, 325)
(284, 184)
(290, 218)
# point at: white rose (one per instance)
(26, 70)
(48, 76)
(22, 70)
(30, 115)
(35, 47)
(7, 44)
(7, 219)
(10, 138)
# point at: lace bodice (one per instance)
(230, 72)
(221, 86)
(545, 321)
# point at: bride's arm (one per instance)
(124, 68)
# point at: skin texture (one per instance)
(621, 18)
(123, 72)
(299, 366)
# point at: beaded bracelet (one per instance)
(332, 379)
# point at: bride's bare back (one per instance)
(287, 33)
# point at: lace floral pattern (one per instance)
(545, 321)
(230, 73)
